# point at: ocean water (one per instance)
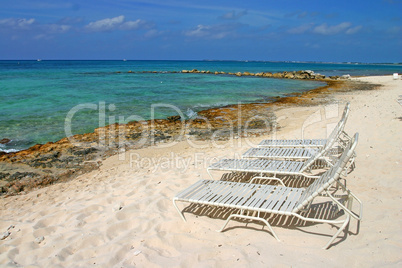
(37, 96)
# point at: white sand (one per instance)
(123, 216)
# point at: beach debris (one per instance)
(137, 252)
(4, 235)
(118, 207)
(39, 239)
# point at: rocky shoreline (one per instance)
(68, 158)
(301, 75)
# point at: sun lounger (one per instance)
(274, 167)
(296, 153)
(255, 201)
(310, 143)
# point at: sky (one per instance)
(279, 30)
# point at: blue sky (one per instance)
(284, 30)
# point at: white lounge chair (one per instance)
(265, 166)
(248, 198)
(276, 167)
(310, 143)
(296, 153)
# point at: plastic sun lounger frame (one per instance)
(311, 143)
(276, 167)
(296, 153)
(279, 200)
(266, 166)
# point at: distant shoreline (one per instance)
(207, 60)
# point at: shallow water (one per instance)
(37, 97)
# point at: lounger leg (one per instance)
(178, 210)
(250, 218)
(338, 232)
(209, 173)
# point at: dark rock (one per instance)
(4, 141)
(301, 76)
(4, 175)
(20, 175)
(269, 74)
(277, 75)
(85, 151)
(289, 76)
(258, 124)
(174, 118)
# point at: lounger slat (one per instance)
(220, 188)
(239, 194)
(273, 199)
(269, 191)
(292, 200)
(263, 191)
(191, 190)
(282, 199)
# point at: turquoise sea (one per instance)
(37, 96)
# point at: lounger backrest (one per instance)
(345, 115)
(331, 139)
(338, 129)
(333, 136)
(311, 160)
(329, 177)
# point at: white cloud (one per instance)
(300, 29)
(56, 28)
(344, 27)
(200, 31)
(394, 30)
(116, 23)
(16, 28)
(213, 31)
(329, 30)
(132, 25)
(16, 23)
(354, 30)
(233, 15)
(105, 24)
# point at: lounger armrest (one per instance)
(357, 216)
(268, 178)
(311, 176)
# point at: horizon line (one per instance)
(212, 60)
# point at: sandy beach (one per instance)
(122, 215)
